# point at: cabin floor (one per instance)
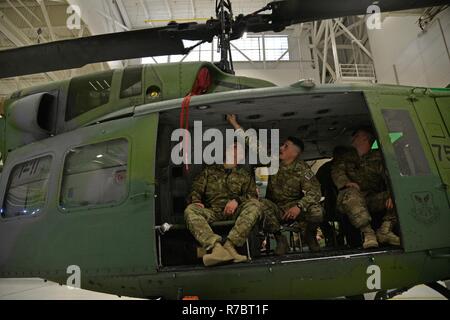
(270, 259)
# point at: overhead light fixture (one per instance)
(99, 156)
(204, 107)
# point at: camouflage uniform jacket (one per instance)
(215, 186)
(294, 184)
(367, 171)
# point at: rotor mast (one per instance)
(224, 14)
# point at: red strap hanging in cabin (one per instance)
(201, 86)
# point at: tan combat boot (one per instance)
(311, 237)
(386, 236)
(282, 245)
(370, 239)
(218, 256)
(232, 251)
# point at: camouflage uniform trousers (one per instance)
(358, 205)
(198, 222)
(272, 214)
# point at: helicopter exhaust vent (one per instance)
(34, 116)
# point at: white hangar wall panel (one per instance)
(283, 73)
(403, 54)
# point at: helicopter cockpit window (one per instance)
(87, 93)
(27, 189)
(95, 175)
(131, 82)
(408, 149)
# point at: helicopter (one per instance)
(88, 183)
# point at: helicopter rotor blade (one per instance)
(289, 12)
(75, 53)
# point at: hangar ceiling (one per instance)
(27, 22)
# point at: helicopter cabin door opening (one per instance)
(322, 120)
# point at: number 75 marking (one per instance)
(442, 149)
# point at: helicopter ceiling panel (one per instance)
(321, 120)
(259, 110)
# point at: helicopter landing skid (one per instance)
(440, 289)
(389, 294)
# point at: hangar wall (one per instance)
(404, 54)
(284, 73)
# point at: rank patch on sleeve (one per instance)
(309, 174)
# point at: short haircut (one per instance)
(298, 142)
(368, 131)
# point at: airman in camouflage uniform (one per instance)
(293, 193)
(361, 179)
(220, 193)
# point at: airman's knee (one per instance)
(252, 207)
(349, 193)
(350, 198)
(315, 214)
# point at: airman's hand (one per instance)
(292, 213)
(389, 203)
(231, 118)
(352, 185)
(199, 204)
(231, 207)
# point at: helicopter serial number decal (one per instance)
(442, 150)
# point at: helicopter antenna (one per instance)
(224, 14)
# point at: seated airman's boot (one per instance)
(282, 244)
(370, 239)
(311, 238)
(232, 251)
(386, 236)
(218, 256)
